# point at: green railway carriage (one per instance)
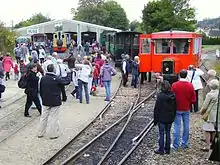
(126, 42)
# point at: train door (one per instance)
(88, 37)
(197, 46)
(145, 53)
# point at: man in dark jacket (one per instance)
(135, 71)
(50, 91)
(32, 89)
(164, 115)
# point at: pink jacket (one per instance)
(7, 63)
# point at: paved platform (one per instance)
(24, 148)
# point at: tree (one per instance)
(108, 13)
(87, 3)
(116, 17)
(165, 15)
(35, 19)
(7, 39)
(136, 26)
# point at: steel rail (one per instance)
(141, 136)
(98, 116)
(18, 129)
(97, 137)
(131, 110)
(122, 130)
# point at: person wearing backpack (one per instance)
(31, 89)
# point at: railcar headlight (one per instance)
(167, 69)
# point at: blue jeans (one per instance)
(134, 81)
(107, 85)
(177, 126)
(82, 85)
(95, 81)
(164, 129)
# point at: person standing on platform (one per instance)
(84, 72)
(50, 91)
(185, 97)
(193, 76)
(32, 89)
(125, 70)
(135, 71)
(42, 55)
(106, 72)
(8, 64)
(62, 71)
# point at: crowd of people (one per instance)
(44, 78)
(175, 102)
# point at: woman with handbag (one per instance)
(208, 112)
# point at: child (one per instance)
(16, 72)
(22, 67)
(164, 115)
(95, 75)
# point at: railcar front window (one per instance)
(162, 46)
(180, 46)
(145, 46)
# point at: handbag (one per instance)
(205, 116)
(2, 88)
(65, 80)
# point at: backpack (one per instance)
(22, 83)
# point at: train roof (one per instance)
(175, 34)
(129, 32)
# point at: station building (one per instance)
(77, 29)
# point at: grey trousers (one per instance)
(54, 126)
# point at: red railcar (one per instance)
(170, 51)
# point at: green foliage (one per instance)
(87, 3)
(136, 26)
(116, 17)
(7, 39)
(35, 19)
(210, 41)
(108, 13)
(163, 15)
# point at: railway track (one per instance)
(115, 144)
(13, 121)
(109, 123)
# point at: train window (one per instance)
(136, 41)
(180, 46)
(62, 36)
(55, 36)
(127, 39)
(162, 46)
(197, 43)
(145, 46)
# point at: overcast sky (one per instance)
(17, 10)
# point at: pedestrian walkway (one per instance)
(24, 148)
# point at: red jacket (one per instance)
(185, 95)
